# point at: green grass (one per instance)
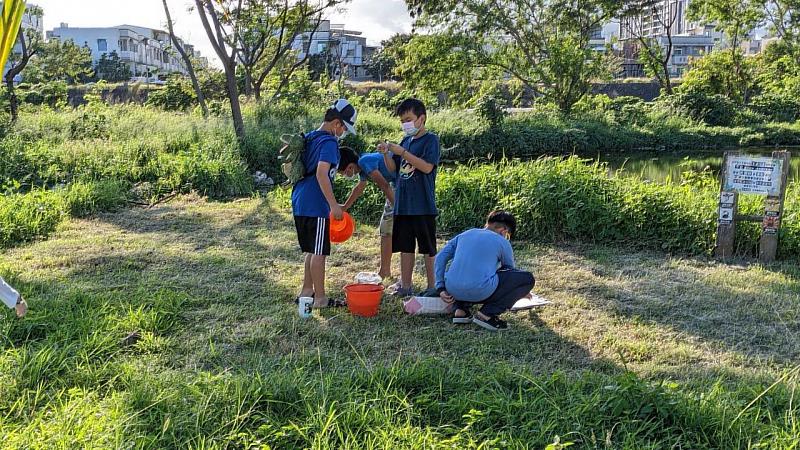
(639, 350)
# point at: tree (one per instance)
(544, 44)
(440, 63)
(187, 61)
(652, 54)
(223, 38)
(386, 59)
(717, 74)
(111, 68)
(30, 42)
(783, 19)
(268, 35)
(60, 61)
(735, 18)
(229, 23)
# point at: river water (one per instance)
(668, 167)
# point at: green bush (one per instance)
(25, 217)
(776, 107)
(177, 95)
(714, 110)
(568, 199)
(86, 198)
(91, 124)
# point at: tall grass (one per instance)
(60, 163)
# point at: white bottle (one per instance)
(304, 307)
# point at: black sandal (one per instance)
(467, 318)
(336, 303)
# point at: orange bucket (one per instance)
(341, 230)
(364, 299)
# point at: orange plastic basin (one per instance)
(341, 230)
(364, 299)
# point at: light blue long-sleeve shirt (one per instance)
(476, 256)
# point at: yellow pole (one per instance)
(9, 26)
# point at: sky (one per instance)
(377, 19)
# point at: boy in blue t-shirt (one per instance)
(373, 167)
(477, 267)
(414, 162)
(313, 200)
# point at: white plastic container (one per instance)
(368, 278)
(304, 307)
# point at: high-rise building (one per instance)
(662, 22)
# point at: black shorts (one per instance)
(313, 233)
(410, 230)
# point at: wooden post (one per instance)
(726, 215)
(773, 214)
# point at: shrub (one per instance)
(177, 95)
(380, 99)
(776, 107)
(25, 217)
(86, 198)
(715, 109)
(568, 199)
(91, 124)
(491, 110)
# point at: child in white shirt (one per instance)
(11, 298)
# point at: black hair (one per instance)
(347, 156)
(504, 218)
(410, 104)
(332, 114)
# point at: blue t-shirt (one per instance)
(476, 256)
(307, 197)
(415, 191)
(370, 162)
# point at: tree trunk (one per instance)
(667, 84)
(12, 96)
(233, 96)
(257, 91)
(248, 84)
(186, 60)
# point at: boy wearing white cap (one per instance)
(313, 200)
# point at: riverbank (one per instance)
(639, 349)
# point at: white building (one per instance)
(346, 48)
(146, 51)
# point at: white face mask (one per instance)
(410, 129)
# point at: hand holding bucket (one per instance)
(341, 230)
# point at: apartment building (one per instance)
(689, 39)
(347, 49)
(148, 52)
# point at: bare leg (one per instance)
(21, 308)
(406, 269)
(318, 277)
(385, 270)
(308, 284)
(429, 272)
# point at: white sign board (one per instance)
(754, 175)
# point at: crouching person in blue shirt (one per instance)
(482, 270)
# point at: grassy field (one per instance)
(638, 351)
